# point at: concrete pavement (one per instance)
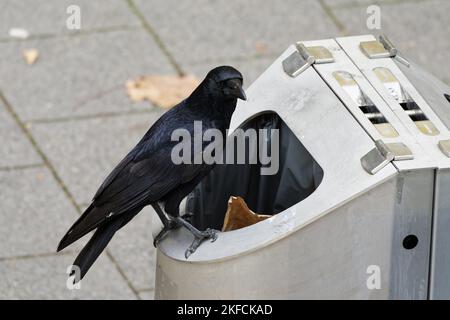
(66, 120)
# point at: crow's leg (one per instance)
(199, 236)
(168, 224)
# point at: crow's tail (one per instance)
(97, 244)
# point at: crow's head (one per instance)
(226, 82)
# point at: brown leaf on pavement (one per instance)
(30, 55)
(164, 91)
(261, 47)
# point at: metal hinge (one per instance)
(444, 146)
(377, 158)
(378, 49)
(383, 48)
(383, 153)
(400, 151)
(304, 57)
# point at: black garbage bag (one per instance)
(298, 175)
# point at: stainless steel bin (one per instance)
(378, 126)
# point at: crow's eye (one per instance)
(233, 83)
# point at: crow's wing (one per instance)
(149, 148)
(135, 182)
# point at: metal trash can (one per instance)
(372, 135)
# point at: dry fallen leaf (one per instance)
(30, 55)
(239, 215)
(40, 176)
(261, 47)
(164, 91)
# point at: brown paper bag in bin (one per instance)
(239, 215)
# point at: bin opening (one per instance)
(298, 175)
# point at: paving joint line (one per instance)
(35, 255)
(356, 5)
(41, 153)
(22, 167)
(122, 273)
(45, 36)
(329, 12)
(146, 25)
(92, 116)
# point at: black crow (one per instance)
(148, 176)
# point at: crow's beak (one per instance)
(241, 94)
(235, 89)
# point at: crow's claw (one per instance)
(214, 234)
(199, 238)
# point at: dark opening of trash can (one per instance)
(296, 177)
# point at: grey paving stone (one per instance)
(15, 149)
(132, 247)
(366, 3)
(50, 16)
(45, 278)
(251, 69)
(147, 295)
(354, 3)
(203, 30)
(80, 75)
(85, 151)
(34, 212)
(419, 29)
(93, 147)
